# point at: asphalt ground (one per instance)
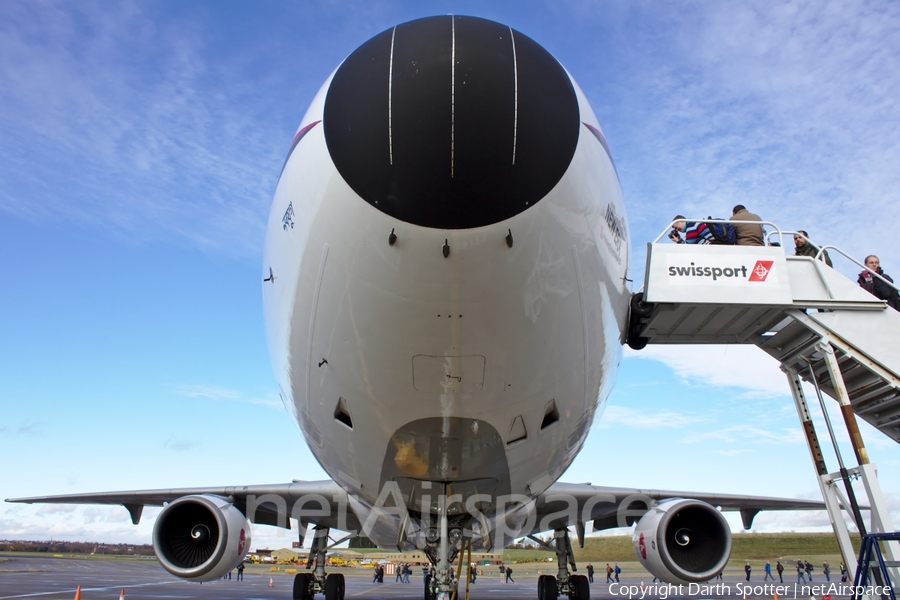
(49, 578)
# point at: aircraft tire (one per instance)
(581, 588)
(334, 587)
(428, 594)
(301, 587)
(547, 589)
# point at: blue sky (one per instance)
(140, 144)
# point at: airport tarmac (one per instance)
(50, 578)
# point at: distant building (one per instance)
(285, 555)
(261, 555)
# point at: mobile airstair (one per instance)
(821, 326)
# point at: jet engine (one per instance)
(200, 538)
(683, 541)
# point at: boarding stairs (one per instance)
(821, 326)
(789, 313)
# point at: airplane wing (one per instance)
(321, 502)
(570, 504)
(325, 503)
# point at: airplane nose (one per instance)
(451, 122)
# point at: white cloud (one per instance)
(733, 452)
(780, 106)
(180, 444)
(617, 416)
(212, 392)
(53, 509)
(207, 391)
(105, 514)
(747, 433)
(27, 428)
(712, 366)
(133, 112)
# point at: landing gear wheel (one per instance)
(581, 587)
(301, 587)
(541, 587)
(334, 587)
(429, 595)
(547, 589)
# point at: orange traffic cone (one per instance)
(775, 596)
(271, 583)
(642, 584)
(122, 594)
(78, 593)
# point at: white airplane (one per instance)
(446, 295)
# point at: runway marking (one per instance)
(93, 589)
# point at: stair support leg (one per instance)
(879, 515)
(843, 398)
(826, 481)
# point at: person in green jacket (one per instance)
(803, 247)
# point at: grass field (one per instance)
(745, 546)
(753, 547)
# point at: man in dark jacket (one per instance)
(803, 247)
(876, 286)
(747, 234)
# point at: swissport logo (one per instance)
(734, 274)
(761, 270)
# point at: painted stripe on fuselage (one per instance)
(299, 136)
(602, 139)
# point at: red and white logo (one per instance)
(761, 270)
(642, 546)
(242, 539)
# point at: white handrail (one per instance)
(671, 226)
(792, 233)
(851, 259)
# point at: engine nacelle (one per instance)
(200, 538)
(683, 541)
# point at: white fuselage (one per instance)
(492, 335)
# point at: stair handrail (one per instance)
(794, 234)
(818, 261)
(822, 250)
(766, 235)
(851, 259)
